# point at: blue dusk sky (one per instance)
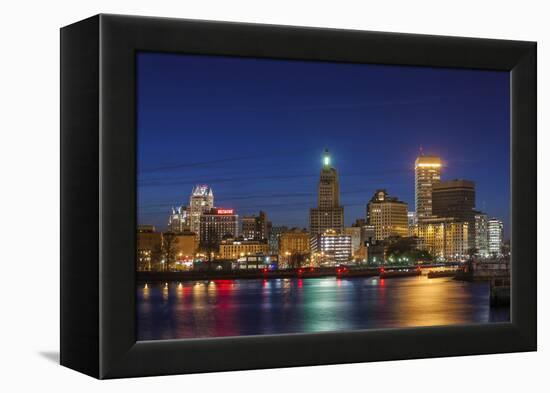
(255, 129)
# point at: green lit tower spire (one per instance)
(326, 158)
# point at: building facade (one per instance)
(179, 220)
(388, 215)
(411, 222)
(294, 241)
(481, 222)
(456, 199)
(148, 241)
(376, 252)
(256, 262)
(256, 227)
(427, 172)
(215, 225)
(328, 215)
(354, 232)
(496, 241)
(368, 234)
(273, 239)
(186, 245)
(201, 201)
(240, 247)
(331, 248)
(444, 238)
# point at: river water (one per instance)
(249, 307)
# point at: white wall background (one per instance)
(29, 196)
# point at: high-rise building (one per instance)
(453, 198)
(388, 215)
(201, 200)
(444, 238)
(456, 198)
(328, 215)
(331, 248)
(481, 234)
(256, 227)
(495, 229)
(179, 220)
(427, 172)
(248, 227)
(215, 225)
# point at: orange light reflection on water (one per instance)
(430, 302)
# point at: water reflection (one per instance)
(247, 307)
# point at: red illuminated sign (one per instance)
(225, 211)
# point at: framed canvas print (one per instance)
(239, 196)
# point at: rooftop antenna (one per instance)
(421, 151)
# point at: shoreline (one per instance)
(306, 272)
(249, 275)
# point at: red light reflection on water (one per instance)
(225, 322)
(232, 308)
(224, 285)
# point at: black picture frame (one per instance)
(98, 196)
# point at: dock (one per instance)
(496, 271)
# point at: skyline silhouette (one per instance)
(255, 129)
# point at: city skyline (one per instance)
(258, 165)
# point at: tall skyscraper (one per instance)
(495, 229)
(179, 220)
(456, 198)
(201, 201)
(328, 215)
(388, 215)
(427, 172)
